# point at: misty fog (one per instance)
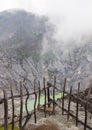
(45, 38)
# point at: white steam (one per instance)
(73, 18)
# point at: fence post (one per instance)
(48, 94)
(77, 104)
(63, 97)
(68, 114)
(21, 106)
(26, 102)
(54, 95)
(5, 110)
(39, 94)
(86, 108)
(12, 98)
(44, 97)
(35, 102)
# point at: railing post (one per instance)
(39, 94)
(54, 95)
(35, 118)
(5, 110)
(69, 104)
(48, 95)
(44, 97)
(63, 96)
(26, 106)
(86, 108)
(12, 98)
(21, 106)
(77, 104)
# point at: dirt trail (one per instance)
(50, 123)
(60, 119)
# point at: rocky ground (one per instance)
(59, 119)
(50, 123)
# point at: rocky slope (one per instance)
(58, 121)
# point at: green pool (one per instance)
(31, 102)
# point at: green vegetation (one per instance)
(10, 127)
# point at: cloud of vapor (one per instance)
(72, 18)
